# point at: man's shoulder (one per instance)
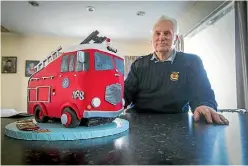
(143, 58)
(188, 57)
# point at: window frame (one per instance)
(62, 68)
(70, 66)
(86, 65)
(71, 63)
(122, 61)
(97, 53)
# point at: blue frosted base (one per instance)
(58, 132)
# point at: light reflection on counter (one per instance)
(190, 122)
(222, 144)
(233, 137)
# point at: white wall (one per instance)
(216, 46)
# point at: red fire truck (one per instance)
(82, 83)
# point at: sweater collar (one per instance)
(171, 57)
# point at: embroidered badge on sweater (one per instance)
(174, 76)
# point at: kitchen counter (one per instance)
(152, 139)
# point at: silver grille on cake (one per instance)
(113, 94)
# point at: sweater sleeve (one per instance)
(131, 85)
(199, 86)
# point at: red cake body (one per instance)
(81, 82)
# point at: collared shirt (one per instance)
(171, 57)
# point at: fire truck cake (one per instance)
(81, 84)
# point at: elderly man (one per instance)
(169, 81)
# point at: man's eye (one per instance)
(166, 33)
(158, 33)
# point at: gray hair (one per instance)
(174, 22)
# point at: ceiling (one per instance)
(114, 19)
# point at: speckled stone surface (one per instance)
(152, 139)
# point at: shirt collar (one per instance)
(171, 57)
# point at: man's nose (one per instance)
(162, 37)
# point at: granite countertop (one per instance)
(152, 139)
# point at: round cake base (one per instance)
(58, 132)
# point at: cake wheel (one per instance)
(39, 115)
(69, 118)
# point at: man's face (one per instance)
(163, 36)
(31, 65)
(9, 64)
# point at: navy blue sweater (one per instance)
(168, 87)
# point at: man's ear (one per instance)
(176, 39)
